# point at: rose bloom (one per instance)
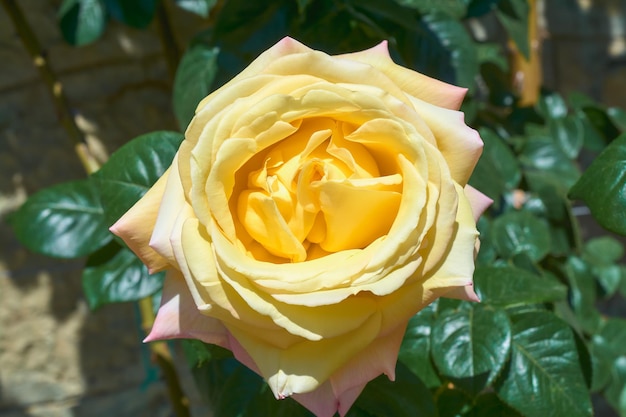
(315, 205)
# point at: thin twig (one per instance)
(171, 51)
(54, 86)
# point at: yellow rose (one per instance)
(315, 205)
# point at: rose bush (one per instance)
(315, 205)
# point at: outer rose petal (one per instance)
(135, 227)
(178, 316)
(418, 85)
(477, 200)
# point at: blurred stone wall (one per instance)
(57, 359)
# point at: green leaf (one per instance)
(407, 396)
(603, 187)
(568, 132)
(193, 81)
(542, 156)
(452, 402)
(471, 346)
(607, 345)
(82, 21)
(453, 37)
(453, 8)
(133, 169)
(486, 253)
(199, 7)
(497, 170)
(552, 106)
(114, 274)
(508, 286)
(135, 13)
(614, 392)
(618, 117)
(582, 293)
(64, 221)
(492, 52)
(544, 377)
(518, 232)
(415, 348)
(489, 405)
(234, 390)
(513, 15)
(603, 250)
(478, 8)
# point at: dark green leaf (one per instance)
(135, 13)
(489, 405)
(453, 8)
(568, 133)
(513, 15)
(492, 52)
(486, 253)
(607, 345)
(64, 221)
(618, 117)
(603, 250)
(133, 169)
(406, 397)
(415, 348)
(614, 391)
(82, 21)
(497, 170)
(508, 286)
(544, 377)
(199, 7)
(471, 346)
(520, 232)
(114, 274)
(603, 187)
(453, 37)
(552, 106)
(193, 80)
(542, 156)
(452, 402)
(478, 8)
(582, 293)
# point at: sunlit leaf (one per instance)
(544, 377)
(65, 221)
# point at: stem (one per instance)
(55, 88)
(526, 74)
(162, 356)
(167, 38)
(160, 350)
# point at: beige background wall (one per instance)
(57, 359)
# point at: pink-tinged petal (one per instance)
(477, 200)
(324, 403)
(344, 386)
(460, 145)
(466, 293)
(179, 318)
(418, 85)
(135, 227)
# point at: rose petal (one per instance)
(178, 316)
(477, 200)
(136, 225)
(418, 85)
(460, 145)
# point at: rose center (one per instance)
(313, 193)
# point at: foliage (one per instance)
(537, 344)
